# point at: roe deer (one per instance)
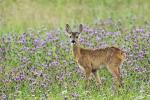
(90, 60)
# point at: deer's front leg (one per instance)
(95, 73)
(87, 73)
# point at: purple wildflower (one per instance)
(49, 35)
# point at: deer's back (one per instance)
(97, 57)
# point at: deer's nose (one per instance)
(73, 41)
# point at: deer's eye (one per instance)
(76, 36)
(70, 36)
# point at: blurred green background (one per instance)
(19, 15)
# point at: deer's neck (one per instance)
(76, 51)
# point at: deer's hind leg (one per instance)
(114, 68)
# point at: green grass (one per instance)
(38, 17)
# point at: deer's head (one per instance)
(74, 35)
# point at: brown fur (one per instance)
(90, 60)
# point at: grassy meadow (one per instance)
(36, 60)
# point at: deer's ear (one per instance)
(68, 29)
(80, 28)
